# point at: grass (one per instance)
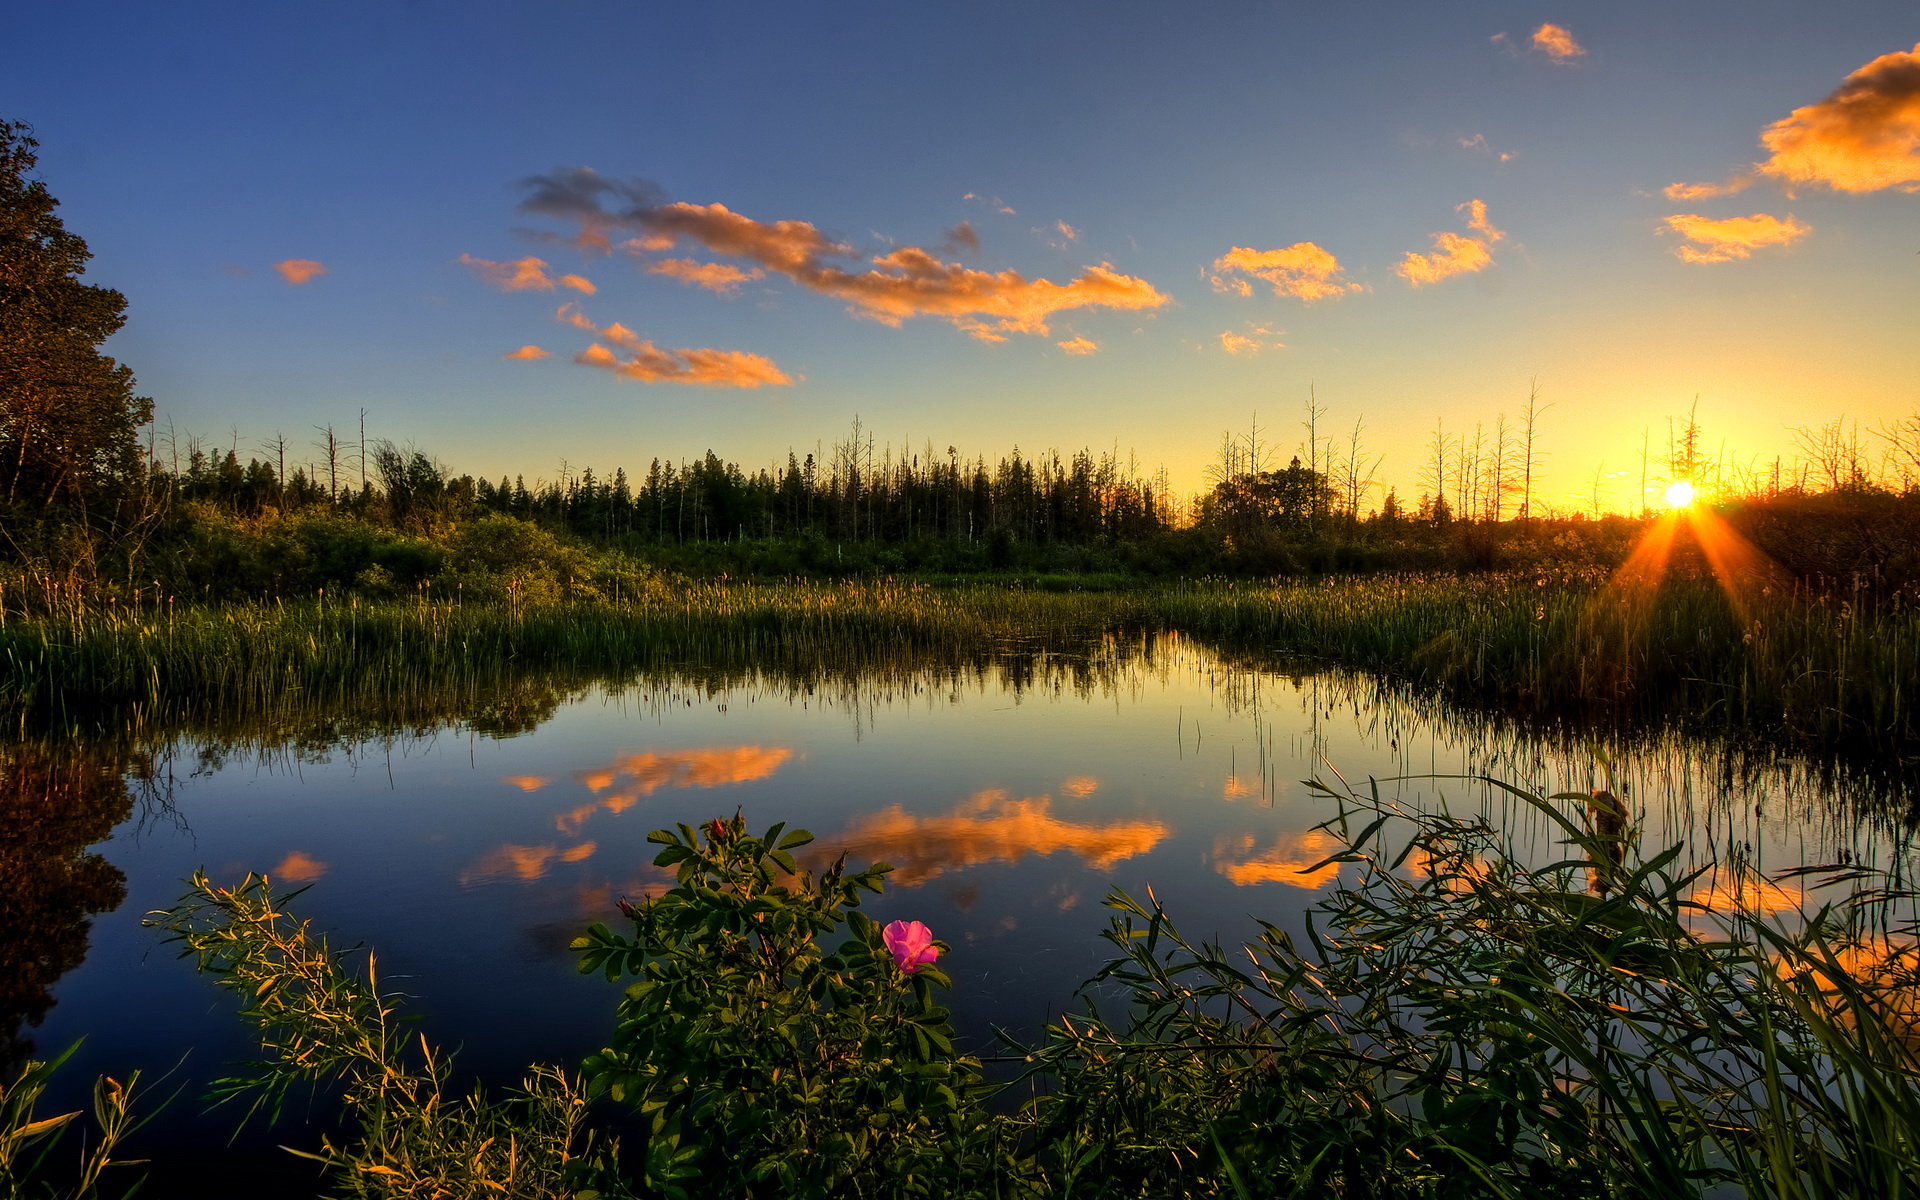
(1805, 669)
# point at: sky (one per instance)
(524, 235)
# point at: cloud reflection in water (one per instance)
(988, 827)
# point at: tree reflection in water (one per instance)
(54, 803)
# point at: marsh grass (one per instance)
(1810, 669)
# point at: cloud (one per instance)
(1557, 43)
(300, 270)
(1080, 786)
(1256, 339)
(1477, 220)
(1726, 239)
(988, 827)
(651, 364)
(527, 353)
(707, 368)
(961, 238)
(999, 205)
(905, 282)
(1067, 231)
(1479, 144)
(577, 194)
(298, 867)
(1453, 253)
(630, 777)
(1286, 861)
(1704, 191)
(526, 783)
(1302, 270)
(1080, 345)
(579, 283)
(521, 275)
(716, 277)
(1863, 137)
(526, 863)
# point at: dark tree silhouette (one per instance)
(68, 415)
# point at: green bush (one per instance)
(764, 1065)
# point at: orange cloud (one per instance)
(1256, 339)
(1704, 191)
(527, 783)
(1477, 220)
(521, 275)
(1080, 786)
(1080, 345)
(299, 270)
(651, 364)
(297, 867)
(1286, 861)
(1726, 239)
(701, 367)
(1067, 231)
(579, 283)
(1557, 43)
(1302, 270)
(1453, 253)
(526, 863)
(649, 771)
(1863, 137)
(1760, 896)
(989, 827)
(1478, 142)
(715, 277)
(528, 352)
(905, 282)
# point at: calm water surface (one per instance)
(1010, 795)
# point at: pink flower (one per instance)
(911, 945)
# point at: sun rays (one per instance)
(1741, 569)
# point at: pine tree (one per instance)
(68, 417)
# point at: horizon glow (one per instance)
(530, 239)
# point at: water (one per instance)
(1012, 793)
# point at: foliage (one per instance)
(1456, 1022)
(27, 1141)
(1476, 1026)
(321, 1022)
(767, 1067)
(68, 414)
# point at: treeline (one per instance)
(856, 495)
(391, 519)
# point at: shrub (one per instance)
(763, 1065)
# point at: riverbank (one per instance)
(1810, 669)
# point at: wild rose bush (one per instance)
(763, 1065)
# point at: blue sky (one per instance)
(197, 145)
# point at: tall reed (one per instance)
(1812, 668)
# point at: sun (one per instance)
(1679, 495)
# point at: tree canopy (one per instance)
(68, 415)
